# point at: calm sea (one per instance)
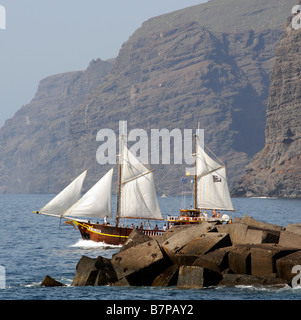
(33, 246)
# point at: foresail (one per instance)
(66, 198)
(138, 194)
(96, 202)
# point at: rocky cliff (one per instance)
(209, 64)
(33, 144)
(276, 170)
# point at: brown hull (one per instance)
(108, 234)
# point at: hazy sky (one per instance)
(45, 37)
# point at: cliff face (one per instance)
(34, 142)
(276, 170)
(176, 71)
(177, 78)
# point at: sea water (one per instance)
(33, 246)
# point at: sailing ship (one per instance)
(210, 190)
(136, 199)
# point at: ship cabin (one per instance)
(187, 216)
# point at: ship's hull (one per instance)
(110, 235)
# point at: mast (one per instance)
(119, 180)
(118, 194)
(195, 172)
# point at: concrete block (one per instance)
(290, 239)
(248, 230)
(180, 239)
(94, 271)
(260, 225)
(50, 282)
(141, 264)
(171, 232)
(237, 231)
(239, 259)
(86, 272)
(193, 277)
(216, 260)
(258, 236)
(206, 243)
(262, 261)
(285, 265)
(294, 227)
(135, 238)
(263, 258)
(168, 278)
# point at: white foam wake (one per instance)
(89, 244)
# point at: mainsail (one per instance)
(212, 186)
(96, 202)
(138, 194)
(66, 198)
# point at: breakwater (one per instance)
(246, 252)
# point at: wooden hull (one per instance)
(110, 235)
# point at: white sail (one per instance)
(66, 198)
(212, 186)
(96, 202)
(138, 194)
